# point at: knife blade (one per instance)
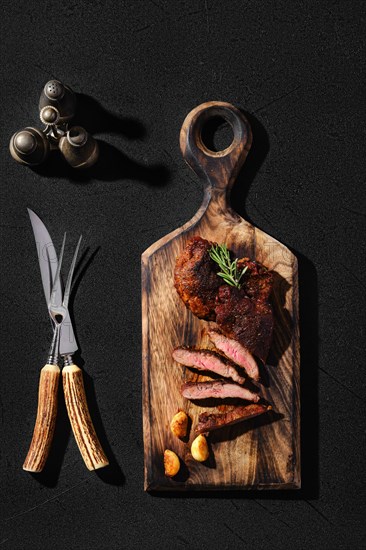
(48, 263)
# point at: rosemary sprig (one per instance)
(220, 254)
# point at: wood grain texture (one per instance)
(45, 421)
(260, 453)
(81, 422)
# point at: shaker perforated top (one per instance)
(54, 89)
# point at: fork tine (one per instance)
(57, 275)
(70, 274)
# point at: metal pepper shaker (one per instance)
(57, 106)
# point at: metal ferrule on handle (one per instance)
(53, 356)
(68, 360)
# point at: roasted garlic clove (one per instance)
(171, 463)
(179, 424)
(199, 448)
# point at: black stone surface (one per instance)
(139, 68)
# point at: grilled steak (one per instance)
(260, 281)
(196, 279)
(207, 360)
(217, 388)
(236, 352)
(247, 320)
(209, 421)
(244, 314)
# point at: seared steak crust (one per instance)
(208, 422)
(247, 320)
(259, 284)
(196, 279)
(244, 315)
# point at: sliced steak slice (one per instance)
(236, 352)
(208, 422)
(219, 389)
(207, 360)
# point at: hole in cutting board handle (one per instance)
(217, 168)
(217, 134)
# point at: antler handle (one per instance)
(81, 422)
(45, 421)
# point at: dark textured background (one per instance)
(296, 68)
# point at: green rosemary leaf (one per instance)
(228, 279)
(228, 269)
(242, 273)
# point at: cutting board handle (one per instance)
(217, 169)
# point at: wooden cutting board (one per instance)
(261, 453)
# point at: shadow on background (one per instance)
(256, 156)
(90, 114)
(112, 164)
(112, 474)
